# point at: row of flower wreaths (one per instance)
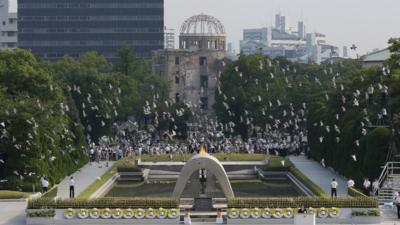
(161, 213)
(287, 213)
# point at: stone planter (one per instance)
(39, 220)
(367, 219)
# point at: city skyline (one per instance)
(319, 16)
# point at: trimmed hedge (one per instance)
(128, 168)
(314, 202)
(132, 203)
(13, 195)
(42, 213)
(366, 213)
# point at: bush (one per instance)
(129, 168)
(366, 213)
(42, 213)
(307, 182)
(314, 202)
(133, 203)
(13, 195)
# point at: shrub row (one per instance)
(307, 182)
(42, 213)
(12, 195)
(128, 168)
(314, 202)
(366, 213)
(132, 203)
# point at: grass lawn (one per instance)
(104, 178)
(13, 194)
(219, 156)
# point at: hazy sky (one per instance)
(366, 23)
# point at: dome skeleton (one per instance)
(203, 25)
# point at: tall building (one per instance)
(280, 41)
(169, 38)
(53, 29)
(193, 69)
(8, 26)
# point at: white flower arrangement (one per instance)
(162, 213)
(128, 214)
(173, 213)
(94, 213)
(117, 214)
(322, 213)
(266, 214)
(278, 214)
(69, 213)
(244, 213)
(233, 213)
(334, 212)
(140, 214)
(288, 213)
(150, 213)
(106, 214)
(255, 214)
(83, 213)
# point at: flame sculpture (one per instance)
(203, 150)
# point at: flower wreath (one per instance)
(233, 213)
(266, 214)
(162, 213)
(94, 213)
(69, 213)
(140, 214)
(83, 213)
(173, 213)
(128, 214)
(106, 214)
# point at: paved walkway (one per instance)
(12, 212)
(83, 178)
(319, 175)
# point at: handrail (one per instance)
(387, 169)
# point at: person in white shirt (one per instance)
(71, 187)
(375, 187)
(334, 185)
(367, 186)
(350, 183)
(397, 203)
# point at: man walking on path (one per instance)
(334, 185)
(72, 187)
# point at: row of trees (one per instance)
(328, 101)
(50, 110)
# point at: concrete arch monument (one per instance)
(203, 161)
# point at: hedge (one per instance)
(42, 213)
(128, 168)
(132, 203)
(12, 195)
(314, 202)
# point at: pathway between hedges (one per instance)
(83, 178)
(319, 175)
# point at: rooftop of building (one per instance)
(377, 56)
(203, 25)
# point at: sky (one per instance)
(366, 23)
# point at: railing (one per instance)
(389, 169)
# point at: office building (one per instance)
(8, 26)
(53, 29)
(283, 41)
